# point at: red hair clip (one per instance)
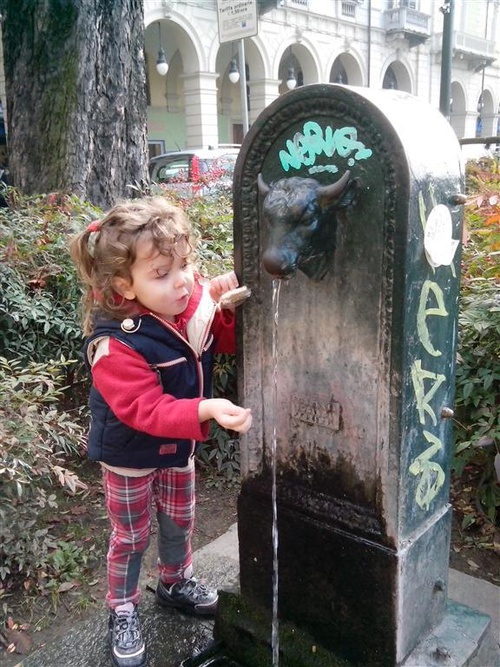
(93, 230)
(94, 226)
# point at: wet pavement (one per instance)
(173, 638)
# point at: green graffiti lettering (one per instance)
(305, 146)
(313, 142)
(430, 472)
(294, 157)
(418, 377)
(423, 312)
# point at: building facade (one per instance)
(375, 43)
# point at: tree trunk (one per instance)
(76, 100)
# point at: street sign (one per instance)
(237, 19)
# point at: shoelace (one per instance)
(198, 590)
(127, 630)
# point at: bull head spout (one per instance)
(301, 218)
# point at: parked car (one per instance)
(195, 171)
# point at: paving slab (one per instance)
(173, 637)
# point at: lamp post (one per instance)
(234, 77)
(243, 86)
(230, 29)
(446, 58)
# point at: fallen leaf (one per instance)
(66, 586)
(19, 641)
(79, 510)
(472, 564)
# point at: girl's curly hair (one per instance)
(107, 249)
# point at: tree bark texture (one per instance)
(76, 98)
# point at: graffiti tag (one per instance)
(313, 141)
(426, 383)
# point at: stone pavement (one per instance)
(172, 637)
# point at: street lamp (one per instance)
(446, 58)
(291, 81)
(234, 75)
(161, 61)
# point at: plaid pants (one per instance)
(129, 502)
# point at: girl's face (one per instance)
(160, 283)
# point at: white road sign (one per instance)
(237, 19)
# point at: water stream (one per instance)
(275, 641)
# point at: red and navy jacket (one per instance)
(146, 390)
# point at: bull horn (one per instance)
(262, 185)
(330, 191)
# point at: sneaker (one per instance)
(125, 637)
(188, 595)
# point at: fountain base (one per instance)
(243, 639)
(244, 632)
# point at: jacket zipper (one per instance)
(196, 356)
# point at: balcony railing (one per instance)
(409, 24)
(476, 51)
(297, 4)
(475, 45)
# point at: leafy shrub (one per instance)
(40, 338)
(36, 438)
(477, 441)
(39, 291)
(220, 454)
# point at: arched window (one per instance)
(390, 80)
(479, 119)
(339, 75)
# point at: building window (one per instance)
(349, 10)
(390, 80)
(156, 148)
(338, 73)
(479, 119)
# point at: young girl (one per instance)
(152, 326)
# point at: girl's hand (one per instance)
(222, 284)
(226, 414)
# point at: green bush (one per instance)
(477, 441)
(36, 440)
(41, 434)
(39, 292)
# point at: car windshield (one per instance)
(176, 169)
(191, 168)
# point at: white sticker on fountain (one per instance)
(439, 245)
